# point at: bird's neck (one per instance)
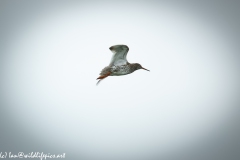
(133, 67)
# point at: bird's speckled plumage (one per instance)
(119, 64)
(120, 70)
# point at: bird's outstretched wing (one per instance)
(119, 56)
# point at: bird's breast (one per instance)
(120, 70)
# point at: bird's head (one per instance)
(138, 66)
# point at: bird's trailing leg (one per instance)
(102, 77)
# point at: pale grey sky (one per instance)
(185, 108)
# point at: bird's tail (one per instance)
(102, 77)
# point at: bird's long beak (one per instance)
(145, 69)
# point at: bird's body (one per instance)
(118, 70)
(119, 65)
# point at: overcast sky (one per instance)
(186, 107)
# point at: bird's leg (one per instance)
(99, 81)
(102, 77)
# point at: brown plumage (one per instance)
(119, 64)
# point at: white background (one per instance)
(51, 65)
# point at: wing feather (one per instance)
(119, 56)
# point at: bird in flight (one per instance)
(119, 65)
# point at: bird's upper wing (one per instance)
(119, 56)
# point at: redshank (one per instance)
(119, 65)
